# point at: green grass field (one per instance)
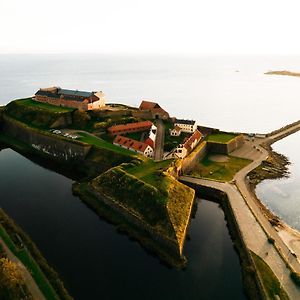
(98, 142)
(44, 106)
(148, 171)
(221, 137)
(222, 171)
(270, 281)
(25, 257)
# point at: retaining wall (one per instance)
(48, 143)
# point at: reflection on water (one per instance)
(95, 261)
(282, 196)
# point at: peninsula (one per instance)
(140, 169)
(285, 73)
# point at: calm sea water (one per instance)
(231, 93)
(95, 261)
(283, 196)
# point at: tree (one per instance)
(11, 274)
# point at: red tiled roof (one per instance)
(148, 105)
(149, 142)
(130, 126)
(197, 135)
(130, 143)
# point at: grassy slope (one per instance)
(100, 143)
(223, 171)
(157, 197)
(270, 281)
(32, 113)
(220, 137)
(44, 106)
(31, 265)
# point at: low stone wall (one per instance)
(143, 114)
(55, 146)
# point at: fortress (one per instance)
(71, 98)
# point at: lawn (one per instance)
(25, 257)
(270, 281)
(44, 106)
(222, 171)
(150, 171)
(100, 143)
(221, 137)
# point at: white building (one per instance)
(176, 131)
(182, 150)
(186, 125)
(99, 103)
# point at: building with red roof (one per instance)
(133, 145)
(187, 147)
(155, 109)
(130, 127)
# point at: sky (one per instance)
(153, 26)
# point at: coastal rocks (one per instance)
(275, 167)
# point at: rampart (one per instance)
(56, 146)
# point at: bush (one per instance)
(296, 277)
(271, 240)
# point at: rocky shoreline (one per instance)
(275, 167)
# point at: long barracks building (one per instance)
(71, 98)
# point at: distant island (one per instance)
(285, 72)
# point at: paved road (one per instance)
(253, 224)
(160, 138)
(29, 281)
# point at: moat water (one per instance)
(97, 262)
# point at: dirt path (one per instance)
(29, 281)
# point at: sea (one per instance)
(93, 259)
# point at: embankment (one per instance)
(159, 222)
(45, 142)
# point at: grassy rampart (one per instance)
(152, 195)
(36, 114)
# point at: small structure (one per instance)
(150, 140)
(130, 127)
(71, 98)
(133, 145)
(184, 149)
(155, 109)
(176, 131)
(186, 125)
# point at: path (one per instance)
(29, 281)
(160, 138)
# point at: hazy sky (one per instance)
(153, 26)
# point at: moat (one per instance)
(95, 261)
